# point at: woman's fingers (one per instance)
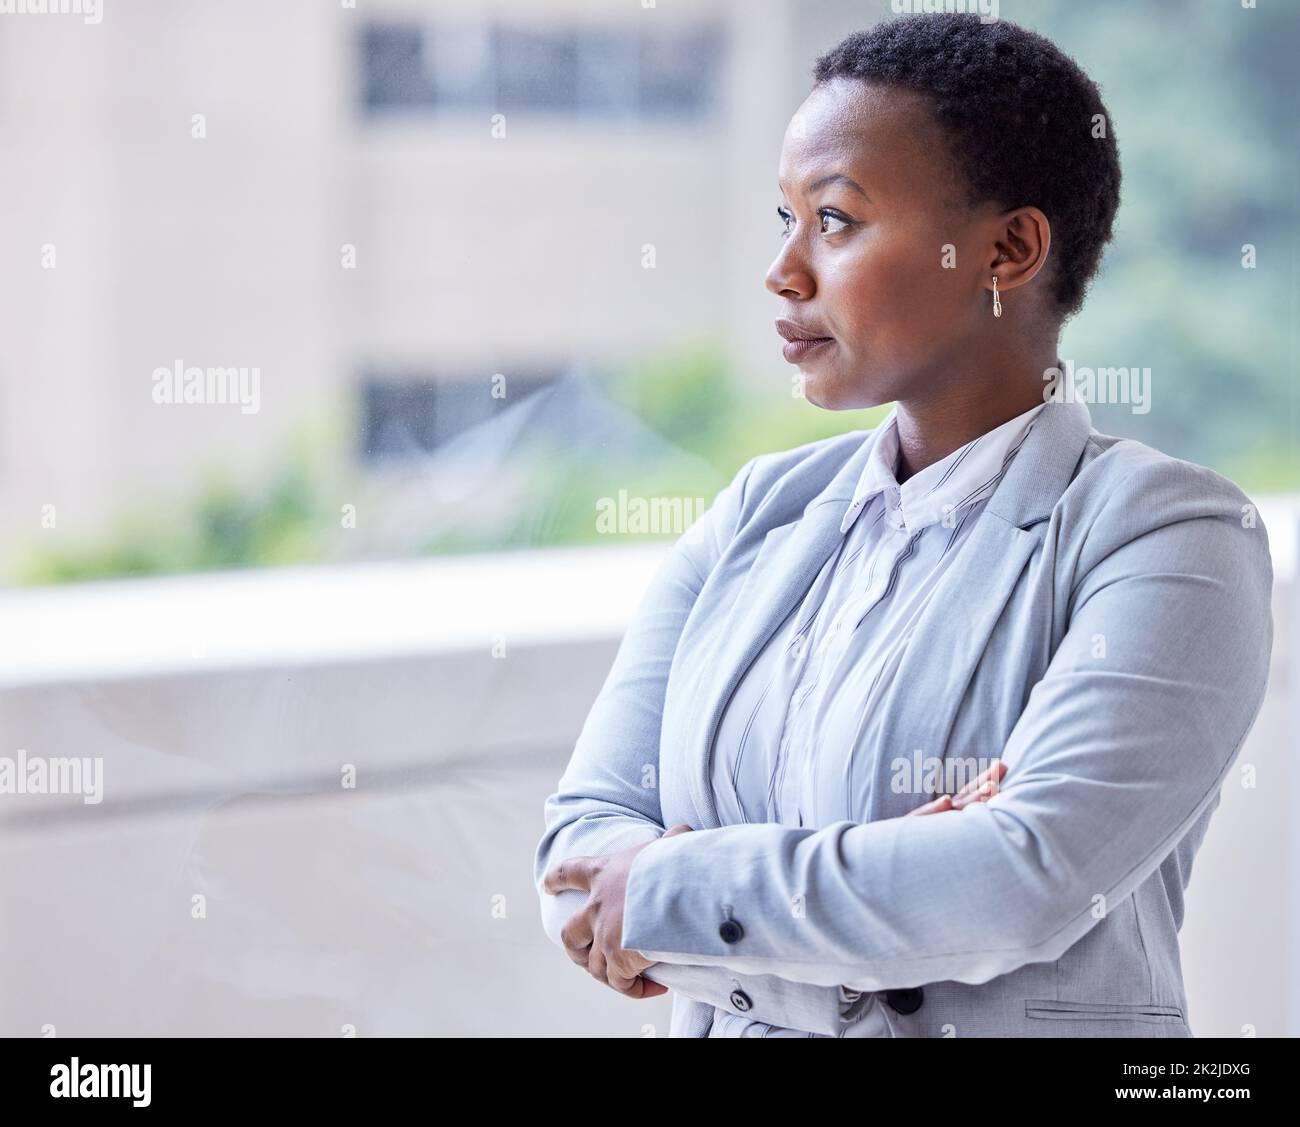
(643, 987)
(633, 985)
(984, 792)
(596, 964)
(980, 789)
(934, 806)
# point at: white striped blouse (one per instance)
(787, 747)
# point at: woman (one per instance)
(982, 581)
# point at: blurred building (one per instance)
(350, 216)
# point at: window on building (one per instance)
(568, 69)
(404, 416)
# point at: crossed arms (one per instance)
(1110, 763)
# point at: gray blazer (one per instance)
(1106, 631)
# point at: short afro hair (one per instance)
(1021, 117)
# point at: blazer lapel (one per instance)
(953, 630)
(955, 624)
(767, 596)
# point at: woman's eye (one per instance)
(827, 217)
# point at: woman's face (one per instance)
(873, 216)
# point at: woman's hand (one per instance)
(980, 789)
(593, 934)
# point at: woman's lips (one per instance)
(796, 351)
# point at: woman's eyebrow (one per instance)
(834, 177)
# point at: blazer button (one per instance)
(905, 1001)
(731, 931)
(741, 1001)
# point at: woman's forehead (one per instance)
(870, 137)
(857, 105)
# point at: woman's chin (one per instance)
(827, 394)
(847, 402)
(827, 390)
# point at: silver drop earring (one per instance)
(997, 301)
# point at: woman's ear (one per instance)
(1020, 248)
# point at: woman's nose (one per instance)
(787, 277)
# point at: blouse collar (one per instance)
(967, 475)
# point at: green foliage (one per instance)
(227, 526)
(227, 523)
(696, 402)
(1204, 101)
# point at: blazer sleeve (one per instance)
(608, 797)
(1122, 745)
